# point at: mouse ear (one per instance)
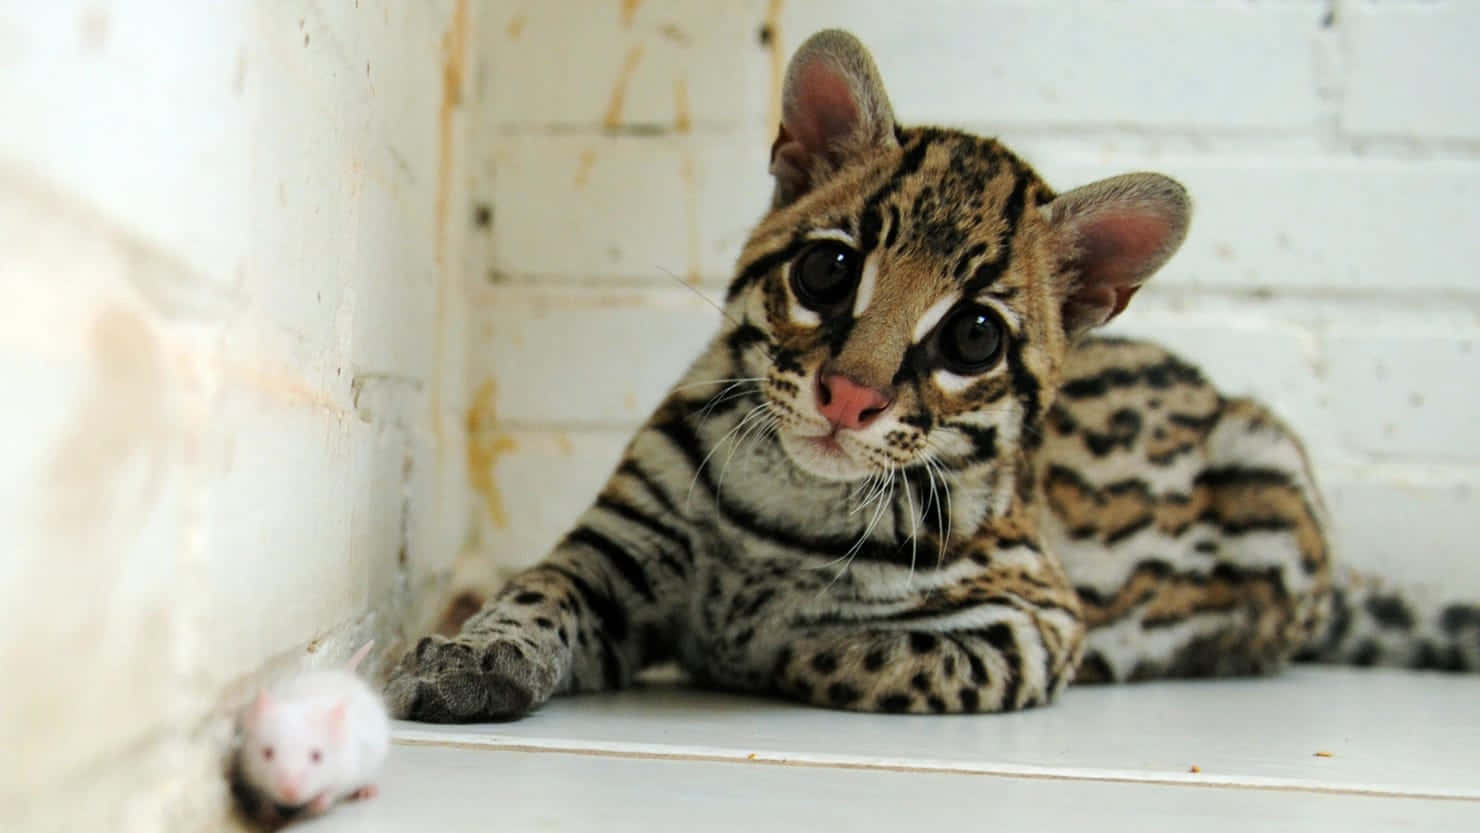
(258, 708)
(335, 717)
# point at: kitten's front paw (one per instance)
(456, 681)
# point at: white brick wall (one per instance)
(279, 342)
(233, 373)
(1330, 147)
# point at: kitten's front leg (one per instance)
(509, 657)
(1011, 664)
(587, 618)
(1007, 636)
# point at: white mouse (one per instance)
(311, 740)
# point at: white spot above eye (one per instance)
(932, 316)
(866, 283)
(833, 234)
(951, 382)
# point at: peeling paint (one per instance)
(613, 117)
(485, 445)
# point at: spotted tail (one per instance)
(1374, 623)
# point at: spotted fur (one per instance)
(903, 478)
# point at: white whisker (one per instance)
(762, 423)
(948, 518)
(717, 382)
(853, 551)
(914, 531)
(689, 496)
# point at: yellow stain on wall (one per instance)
(613, 118)
(778, 60)
(682, 121)
(583, 168)
(629, 11)
(485, 445)
(454, 53)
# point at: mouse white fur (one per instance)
(313, 739)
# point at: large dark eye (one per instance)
(825, 274)
(316, 756)
(267, 753)
(971, 340)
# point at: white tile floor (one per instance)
(1404, 754)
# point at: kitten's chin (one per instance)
(822, 457)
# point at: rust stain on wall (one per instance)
(778, 60)
(613, 116)
(485, 445)
(516, 26)
(123, 420)
(682, 121)
(629, 11)
(454, 52)
(459, 610)
(688, 174)
(583, 168)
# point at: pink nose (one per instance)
(847, 404)
(289, 792)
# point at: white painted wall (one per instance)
(1333, 149)
(231, 242)
(279, 342)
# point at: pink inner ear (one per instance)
(825, 108)
(1116, 248)
(258, 708)
(335, 716)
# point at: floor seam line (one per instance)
(773, 759)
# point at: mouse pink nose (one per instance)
(847, 404)
(289, 792)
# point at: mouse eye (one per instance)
(267, 753)
(316, 756)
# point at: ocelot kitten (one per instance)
(903, 478)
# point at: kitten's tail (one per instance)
(1373, 623)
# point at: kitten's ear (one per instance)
(1113, 235)
(833, 107)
